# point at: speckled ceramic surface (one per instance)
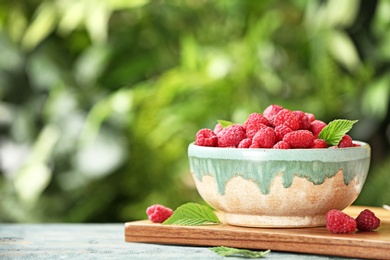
(279, 188)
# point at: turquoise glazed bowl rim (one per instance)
(260, 154)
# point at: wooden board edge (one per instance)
(206, 236)
(295, 247)
(144, 231)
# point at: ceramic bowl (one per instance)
(279, 188)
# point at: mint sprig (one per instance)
(230, 251)
(335, 130)
(192, 214)
(225, 123)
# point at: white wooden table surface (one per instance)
(98, 241)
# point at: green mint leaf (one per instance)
(192, 214)
(335, 130)
(225, 123)
(229, 251)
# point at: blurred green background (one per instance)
(100, 99)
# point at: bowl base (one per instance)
(274, 221)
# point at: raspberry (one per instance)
(158, 213)
(231, 136)
(254, 122)
(281, 145)
(245, 143)
(218, 128)
(265, 138)
(316, 127)
(271, 111)
(310, 116)
(346, 141)
(299, 139)
(254, 145)
(206, 137)
(304, 121)
(286, 117)
(319, 143)
(281, 131)
(367, 221)
(339, 222)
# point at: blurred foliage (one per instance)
(100, 99)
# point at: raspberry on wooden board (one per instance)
(367, 221)
(339, 222)
(158, 213)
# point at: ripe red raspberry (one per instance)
(254, 145)
(218, 128)
(304, 121)
(158, 213)
(281, 131)
(367, 221)
(299, 139)
(316, 127)
(206, 137)
(231, 136)
(281, 145)
(286, 117)
(318, 144)
(245, 143)
(339, 222)
(253, 123)
(264, 138)
(271, 111)
(346, 141)
(310, 116)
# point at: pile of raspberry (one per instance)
(339, 222)
(276, 127)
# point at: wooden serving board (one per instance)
(372, 245)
